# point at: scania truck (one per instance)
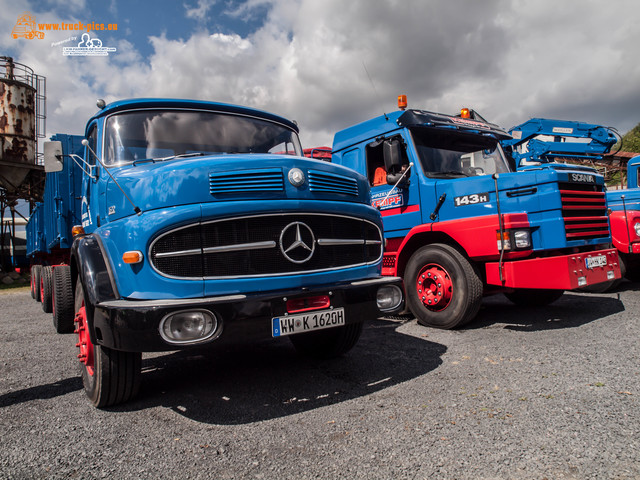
(544, 140)
(461, 222)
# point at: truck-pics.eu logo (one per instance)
(25, 27)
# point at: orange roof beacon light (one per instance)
(465, 113)
(402, 102)
(77, 230)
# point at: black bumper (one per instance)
(133, 326)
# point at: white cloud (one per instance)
(199, 12)
(509, 59)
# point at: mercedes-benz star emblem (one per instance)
(297, 242)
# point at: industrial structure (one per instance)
(22, 123)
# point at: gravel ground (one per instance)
(539, 393)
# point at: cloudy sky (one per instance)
(305, 59)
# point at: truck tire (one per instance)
(36, 271)
(328, 343)
(46, 289)
(631, 267)
(109, 377)
(63, 304)
(443, 288)
(531, 297)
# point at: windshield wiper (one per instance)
(448, 173)
(182, 155)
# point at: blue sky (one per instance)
(139, 20)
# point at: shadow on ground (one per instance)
(271, 380)
(570, 311)
(41, 392)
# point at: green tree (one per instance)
(630, 141)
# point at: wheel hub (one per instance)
(85, 347)
(434, 287)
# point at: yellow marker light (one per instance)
(402, 102)
(133, 256)
(77, 230)
(504, 243)
(465, 113)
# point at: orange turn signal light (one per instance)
(465, 113)
(402, 102)
(77, 230)
(133, 256)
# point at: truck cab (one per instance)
(460, 221)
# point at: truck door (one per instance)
(394, 185)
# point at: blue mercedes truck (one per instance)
(195, 223)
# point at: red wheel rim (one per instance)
(434, 287)
(85, 347)
(41, 288)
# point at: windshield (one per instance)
(167, 134)
(458, 154)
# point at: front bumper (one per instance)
(564, 272)
(133, 325)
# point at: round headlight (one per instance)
(189, 326)
(389, 298)
(636, 227)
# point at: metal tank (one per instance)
(19, 122)
(22, 123)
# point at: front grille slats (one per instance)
(257, 246)
(264, 180)
(324, 182)
(584, 210)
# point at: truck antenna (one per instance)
(374, 88)
(136, 209)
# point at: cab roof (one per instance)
(174, 103)
(385, 124)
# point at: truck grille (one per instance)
(584, 210)
(324, 182)
(264, 180)
(266, 245)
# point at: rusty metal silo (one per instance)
(21, 116)
(22, 123)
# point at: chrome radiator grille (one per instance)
(266, 245)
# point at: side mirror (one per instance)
(392, 154)
(53, 157)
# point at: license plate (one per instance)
(599, 261)
(307, 322)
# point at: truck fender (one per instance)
(88, 262)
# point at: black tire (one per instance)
(36, 271)
(328, 343)
(46, 289)
(455, 295)
(531, 297)
(63, 302)
(630, 267)
(109, 377)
